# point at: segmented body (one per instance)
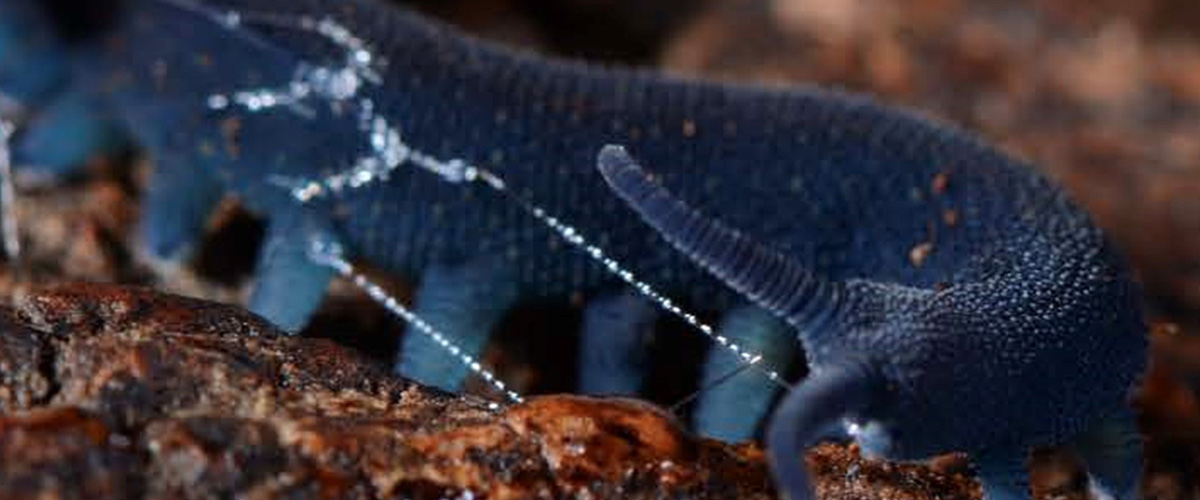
(748, 154)
(985, 266)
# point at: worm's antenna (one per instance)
(777, 283)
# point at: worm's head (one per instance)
(1045, 336)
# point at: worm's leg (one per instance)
(61, 125)
(290, 285)
(33, 62)
(732, 409)
(60, 137)
(1112, 451)
(465, 302)
(177, 203)
(1004, 474)
(614, 348)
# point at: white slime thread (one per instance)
(331, 255)
(388, 152)
(8, 194)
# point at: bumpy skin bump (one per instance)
(1020, 289)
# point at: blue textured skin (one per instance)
(1034, 341)
(64, 124)
(1020, 328)
(474, 253)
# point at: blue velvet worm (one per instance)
(812, 217)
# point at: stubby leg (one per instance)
(614, 348)
(465, 303)
(1112, 451)
(1004, 474)
(33, 63)
(61, 125)
(176, 206)
(62, 136)
(290, 285)
(732, 410)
